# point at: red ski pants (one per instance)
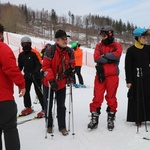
(109, 86)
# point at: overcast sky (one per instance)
(134, 11)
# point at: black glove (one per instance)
(130, 93)
(100, 72)
(69, 73)
(54, 85)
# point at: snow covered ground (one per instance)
(123, 137)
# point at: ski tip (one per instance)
(145, 138)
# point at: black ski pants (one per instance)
(59, 99)
(78, 72)
(37, 86)
(8, 125)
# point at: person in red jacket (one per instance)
(58, 67)
(9, 75)
(78, 64)
(106, 56)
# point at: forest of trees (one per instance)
(44, 23)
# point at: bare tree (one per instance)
(12, 17)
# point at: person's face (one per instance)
(62, 42)
(143, 39)
(103, 35)
(26, 44)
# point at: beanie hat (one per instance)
(61, 34)
(74, 45)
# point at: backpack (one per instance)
(53, 49)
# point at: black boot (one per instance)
(110, 121)
(94, 120)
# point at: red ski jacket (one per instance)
(55, 65)
(109, 56)
(9, 73)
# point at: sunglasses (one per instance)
(103, 34)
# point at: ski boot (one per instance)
(75, 85)
(64, 132)
(26, 111)
(94, 120)
(41, 114)
(81, 86)
(110, 120)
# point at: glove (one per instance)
(130, 93)
(54, 85)
(69, 73)
(100, 72)
(109, 60)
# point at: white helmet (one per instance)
(26, 39)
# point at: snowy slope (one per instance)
(124, 136)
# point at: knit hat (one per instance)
(74, 45)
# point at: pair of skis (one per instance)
(27, 120)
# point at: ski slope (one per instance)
(123, 137)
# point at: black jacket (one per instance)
(30, 64)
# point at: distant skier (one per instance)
(106, 56)
(44, 49)
(78, 64)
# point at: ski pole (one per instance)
(69, 110)
(53, 114)
(37, 84)
(71, 99)
(47, 110)
(143, 100)
(138, 78)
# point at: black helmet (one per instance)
(107, 30)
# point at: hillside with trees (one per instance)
(43, 23)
